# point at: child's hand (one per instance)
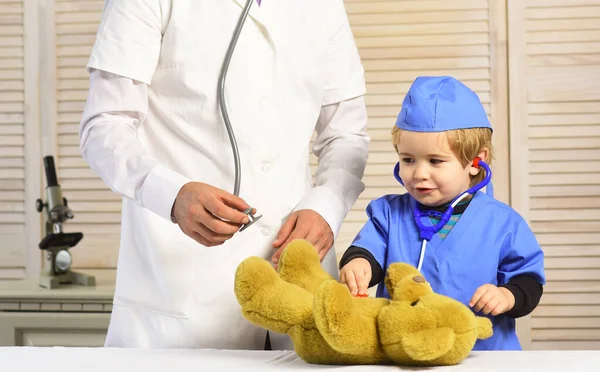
(357, 275)
(492, 300)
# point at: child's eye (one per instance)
(407, 160)
(436, 161)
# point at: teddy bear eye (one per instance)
(414, 303)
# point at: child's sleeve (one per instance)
(521, 254)
(527, 292)
(373, 236)
(377, 275)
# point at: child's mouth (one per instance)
(424, 190)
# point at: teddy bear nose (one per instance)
(418, 279)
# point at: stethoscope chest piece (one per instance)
(251, 217)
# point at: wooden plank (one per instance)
(546, 84)
(96, 206)
(564, 49)
(429, 17)
(562, 120)
(568, 238)
(563, 36)
(79, 6)
(580, 286)
(446, 51)
(560, 3)
(560, 168)
(565, 131)
(91, 217)
(377, 7)
(580, 107)
(12, 217)
(566, 334)
(12, 174)
(565, 215)
(571, 179)
(17, 195)
(570, 250)
(568, 154)
(571, 59)
(566, 345)
(565, 202)
(11, 118)
(422, 40)
(572, 13)
(103, 195)
(410, 75)
(10, 130)
(578, 225)
(562, 143)
(11, 140)
(565, 323)
(556, 25)
(360, 31)
(409, 64)
(566, 311)
(79, 17)
(566, 275)
(567, 263)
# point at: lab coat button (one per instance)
(265, 167)
(264, 102)
(266, 231)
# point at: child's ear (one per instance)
(483, 155)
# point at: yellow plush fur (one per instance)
(329, 326)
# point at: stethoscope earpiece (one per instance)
(397, 173)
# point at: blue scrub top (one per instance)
(490, 244)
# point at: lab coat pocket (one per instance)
(160, 264)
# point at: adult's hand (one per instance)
(304, 224)
(207, 214)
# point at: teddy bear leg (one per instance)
(348, 327)
(268, 301)
(300, 264)
(420, 347)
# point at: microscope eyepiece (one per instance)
(50, 170)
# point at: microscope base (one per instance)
(69, 278)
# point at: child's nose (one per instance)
(421, 172)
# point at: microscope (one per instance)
(56, 270)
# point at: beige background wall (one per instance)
(535, 65)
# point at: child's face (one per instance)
(432, 174)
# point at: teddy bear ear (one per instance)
(396, 272)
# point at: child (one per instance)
(484, 255)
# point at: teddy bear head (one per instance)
(424, 327)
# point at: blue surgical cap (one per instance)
(439, 104)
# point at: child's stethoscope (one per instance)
(427, 232)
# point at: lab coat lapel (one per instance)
(256, 12)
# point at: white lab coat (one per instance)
(152, 123)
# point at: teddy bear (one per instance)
(327, 325)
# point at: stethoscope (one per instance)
(221, 100)
(427, 232)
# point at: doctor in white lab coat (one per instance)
(153, 131)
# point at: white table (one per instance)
(61, 359)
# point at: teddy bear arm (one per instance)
(484, 327)
(343, 323)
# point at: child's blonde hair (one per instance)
(466, 144)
